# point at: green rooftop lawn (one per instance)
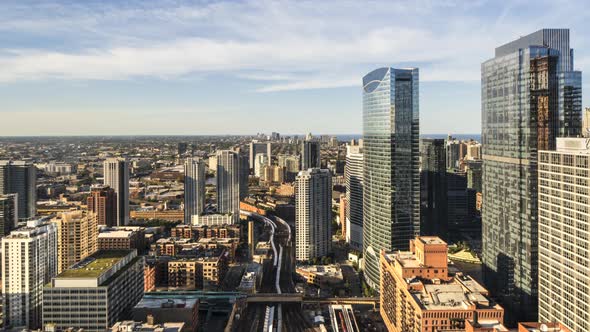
(103, 260)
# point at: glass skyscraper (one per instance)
(391, 198)
(530, 96)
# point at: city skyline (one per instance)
(84, 66)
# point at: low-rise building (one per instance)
(120, 238)
(321, 275)
(162, 309)
(203, 272)
(132, 326)
(419, 294)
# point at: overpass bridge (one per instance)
(300, 299)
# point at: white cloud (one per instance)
(284, 45)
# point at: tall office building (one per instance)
(353, 173)
(391, 197)
(95, 293)
(260, 148)
(116, 176)
(456, 151)
(530, 96)
(564, 203)
(194, 188)
(19, 177)
(310, 155)
(433, 188)
(313, 214)
(77, 237)
(244, 175)
(228, 183)
(29, 261)
(8, 213)
(103, 202)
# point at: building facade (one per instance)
(564, 222)
(194, 188)
(106, 285)
(530, 96)
(116, 176)
(103, 202)
(228, 184)
(8, 213)
(391, 196)
(353, 173)
(310, 155)
(29, 261)
(313, 216)
(77, 237)
(433, 188)
(260, 148)
(19, 177)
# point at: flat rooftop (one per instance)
(95, 265)
(431, 240)
(158, 302)
(115, 234)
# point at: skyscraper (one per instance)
(194, 188)
(103, 202)
(116, 176)
(244, 175)
(564, 203)
(77, 237)
(310, 155)
(530, 96)
(228, 183)
(391, 197)
(260, 148)
(29, 261)
(291, 165)
(433, 188)
(260, 161)
(8, 213)
(353, 174)
(313, 214)
(19, 177)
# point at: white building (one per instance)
(353, 174)
(313, 214)
(116, 176)
(260, 161)
(228, 183)
(564, 221)
(29, 261)
(194, 188)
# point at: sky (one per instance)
(99, 67)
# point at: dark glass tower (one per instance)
(433, 188)
(530, 96)
(391, 198)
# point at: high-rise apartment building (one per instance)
(353, 174)
(530, 95)
(260, 148)
(310, 155)
(313, 214)
(103, 203)
(8, 213)
(116, 176)
(194, 188)
(564, 222)
(29, 261)
(19, 177)
(391, 196)
(260, 161)
(291, 165)
(419, 293)
(244, 175)
(456, 151)
(77, 237)
(228, 183)
(433, 188)
(95, 293)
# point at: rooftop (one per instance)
(158, 302)
(115, 234)
(431, 240)
(95, 265)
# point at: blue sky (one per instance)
(241, 67)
